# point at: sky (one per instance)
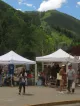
(70, 7)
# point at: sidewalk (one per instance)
(70, 105)
(34, 95)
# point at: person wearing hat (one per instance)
(71, 75)
(62, 74)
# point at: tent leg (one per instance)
(42, 66)
(67, 67)
(11, 80)
(36, 74)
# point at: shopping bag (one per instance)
(73, 85)
(59, 77)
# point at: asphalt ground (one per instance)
(34, 95)
(77, 104)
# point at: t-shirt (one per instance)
(71, 74)
(23, 77)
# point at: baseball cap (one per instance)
(69, 64)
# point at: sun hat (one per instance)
(63, 65)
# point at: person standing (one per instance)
(71, 76)
(62, 79)
(22, 80)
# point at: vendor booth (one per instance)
(58, 56)
(11, 59)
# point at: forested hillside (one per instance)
(33, 33)
(62, 22)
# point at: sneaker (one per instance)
(73, 90)
(19, 93)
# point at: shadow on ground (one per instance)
(29, 94)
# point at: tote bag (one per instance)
(73, 85)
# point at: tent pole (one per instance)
(14, 70)
(67, 67)
(36, 74)
(11, 80)
(42, 66)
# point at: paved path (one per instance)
(34, 95)
(78, 104)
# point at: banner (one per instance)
(11, 69)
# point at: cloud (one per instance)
(29, 5)
(77, 6)
(20, 1)
(19, 9)
(34, 7)
(78, 3)
(23, 2)
(51, 5)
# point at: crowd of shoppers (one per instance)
(68, 78)
(62, 78)
(55, 75)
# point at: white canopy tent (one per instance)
(13, 58)
(79, 57)
(58, 56)
(76, 59)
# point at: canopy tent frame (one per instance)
(14, 58)
(57, 56)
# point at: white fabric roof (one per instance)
(76, 59)
(58, 56)
(13, 58)
(79, 59)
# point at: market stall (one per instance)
(13, 59)
(58, 56)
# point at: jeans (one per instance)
(22, 84)
(69, 85)
(58, 83)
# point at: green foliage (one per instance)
(63, 21)
(61, 41)
(36, 33)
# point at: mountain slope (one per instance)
(34, 33)
(57, 19)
